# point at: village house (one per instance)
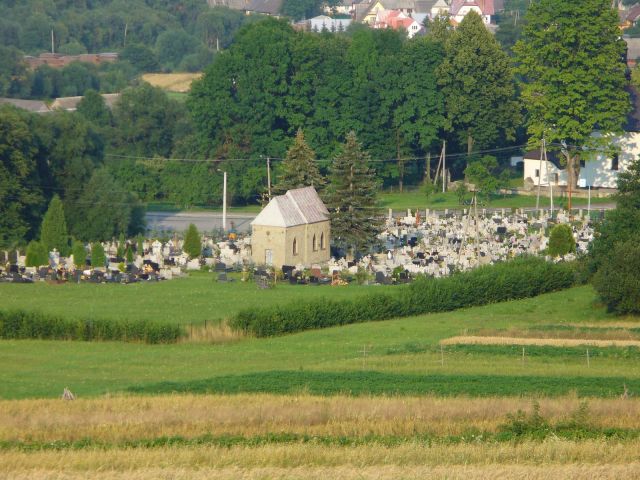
(263, 7)
(323, 23)
(461, 8)
(397, 20)
(293, 229)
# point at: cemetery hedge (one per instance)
(520, 278)
(19, 324)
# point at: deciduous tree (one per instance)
(571, 57)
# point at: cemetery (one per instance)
(430, 243)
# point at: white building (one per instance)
(597, 169)
(440, 8)
(461, 8)
(324, 23)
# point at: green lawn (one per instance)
(44, 368)
(190, 300)
(439, 201)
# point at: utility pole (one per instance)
(53, 50)
(269, 177)
(444, 165)
(126, 26)
(540, 174)
(224, 203)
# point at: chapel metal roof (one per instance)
(296, 207)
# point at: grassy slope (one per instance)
(416, 199)
(42, 369)
(189, 300)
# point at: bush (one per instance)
(618, 279)
(19, 324)
(520, 278)
(561, 241)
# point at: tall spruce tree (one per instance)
(53, 233)
(479, 87)
(192, 245)
(299, 168)
(571, 56)
(351, 198)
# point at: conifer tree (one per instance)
(53, 232)
(192, 245)
(79, 254)
(121, 246)
(98, 258)
(299, 168)
(351, 198)
(37, 254)
(129, 255)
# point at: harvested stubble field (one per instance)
(172, 82)
(303, 436)
(553, 342)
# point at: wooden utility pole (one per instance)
(427, 173)
(269, 177)
(444, 166)
(542, 147)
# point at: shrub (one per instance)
(19, 324)
(561, 241)
(618, 279)
(520, 278)
(37, 254)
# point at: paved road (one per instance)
(205, 221)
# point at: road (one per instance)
(205, 221)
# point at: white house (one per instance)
(323, 23)
(461, 8)
(440, 8)
(598, 169)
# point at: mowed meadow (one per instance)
(404, 398)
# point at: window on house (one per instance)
(615, 162)
(295, 246)
(315, 244)
(582, 163)
(322, 246)
(556, 178)
(537, 173)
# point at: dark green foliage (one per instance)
(98, 258)
(483, 173)
(18, 324)
(478, 86)
(104, 210)
(53, 232)
(618, 279)
(121, 246)
(93, 108)
(192, 243)
(37, 254)
(299, 168)
(621, 224)
(21, 199)
(352, 198)
(79, 254)
(520, 278)
(382, 383)
(561, 241)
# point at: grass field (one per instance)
(172, 82)
(314, 405)
(416, 199)
(403, 357)
(192, 300)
